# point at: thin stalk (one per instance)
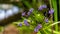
(52, 24)
(45, 31)
(54, 3)
(27, 4)
(51, 14)
(34, 2)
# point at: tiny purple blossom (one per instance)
(36, 30)
(40, 8)
(31, 10)
(39, 26)
(23, 14)
(51, 11)
(44, 6)
(46, 20)
(26, 22)
(28, 13)
(20, 24)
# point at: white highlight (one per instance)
(2, 14)
(10, 10)
(15, 9)
(9, 13)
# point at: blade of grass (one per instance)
(54, 31)
(54, 3)
(39, 32)
(45, 32)
(27, 4)
(34, 2)
(51, 18)
(52, 24)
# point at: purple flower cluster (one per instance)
(20, 24)
(36, 30)
(26, 22)
(30, 11)
(51, 11)
(46, 20)
(23, 14)
(39, 26)
(42, 7)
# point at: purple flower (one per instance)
(39, 26)
(36, 30)
(42, 7)
(20, 24)
(26, 23)
(51, 11)
(28, 13)
(23, 14)
(31, 9)
(46, 20)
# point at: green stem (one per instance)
(34, 2)
(51, 14)
(27, 4)
(50, 4)
(55, 13)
